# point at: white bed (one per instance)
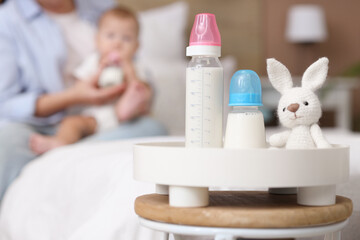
(87, 192)
(84, 191)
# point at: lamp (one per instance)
(306, 24)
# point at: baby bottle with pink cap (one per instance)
(204, 85)
(112, 74)
(204, 102)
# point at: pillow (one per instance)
(162, 32)
(169, 100)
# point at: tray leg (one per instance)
(188, 196)
(224, 237)
(317, 196)
(333, 236)
(165, 236)
(178, 237)
(283, 191)
(162, 189)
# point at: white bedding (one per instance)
(84, 191)
(87, 192)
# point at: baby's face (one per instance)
(118, 35)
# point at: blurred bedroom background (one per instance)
(295, 32)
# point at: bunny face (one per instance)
(299, 106)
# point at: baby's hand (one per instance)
(87, 92)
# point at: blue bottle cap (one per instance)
(245, 89)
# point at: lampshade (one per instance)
(306, 24)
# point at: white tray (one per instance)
(190, 171)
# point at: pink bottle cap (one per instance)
(205, 31)
(205, 39)
(114, 58)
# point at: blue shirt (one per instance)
(32, 57)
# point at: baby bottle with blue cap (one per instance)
(245, 124)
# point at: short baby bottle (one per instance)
(245, 124)
(112, 74)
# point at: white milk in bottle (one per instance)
(245, 121)
(204, 102)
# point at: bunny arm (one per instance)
(318, 137)
(279, 139)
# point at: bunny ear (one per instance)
(279, 75)
(315, 76)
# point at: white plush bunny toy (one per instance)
(299, 108)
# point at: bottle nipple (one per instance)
(205, 39)
(205, 31)
(114, 58)
(245, 89)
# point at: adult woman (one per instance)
(34, 67)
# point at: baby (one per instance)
(116, 42)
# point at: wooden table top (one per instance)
(249, 209)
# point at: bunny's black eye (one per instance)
(284, 109)
(306, 103)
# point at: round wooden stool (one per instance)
(250, 214)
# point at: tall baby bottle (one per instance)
(245, 125)
(204, 85)
(204, 101)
